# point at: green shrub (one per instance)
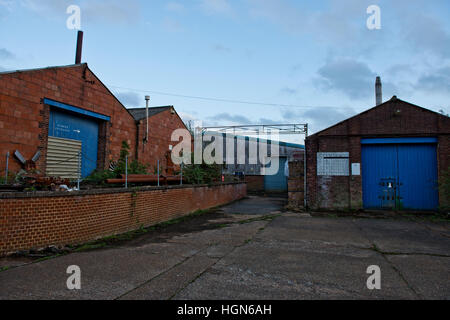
(202, 173)
(100, 176)
(134, 166)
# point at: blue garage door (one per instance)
(71, 126)
(400, 175)
(277, 182)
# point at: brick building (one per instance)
(390, 156)
(53, 111)
(162, 121)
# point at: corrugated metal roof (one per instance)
(139, 113)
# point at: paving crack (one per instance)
(245, 242)
(400, 274)
(157, 276)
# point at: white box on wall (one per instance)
(356, 169)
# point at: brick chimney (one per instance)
(378, 91)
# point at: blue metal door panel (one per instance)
(70, 126)
(403, 176)
(379, 168)
(417, 175)
(277, 182)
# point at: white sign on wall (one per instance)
(356, 169)
(332, 163)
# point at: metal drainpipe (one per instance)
(158, 173)
(181, 180)
(126, 172)
(305, 201)
(147, 100)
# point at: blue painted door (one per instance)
(417, 175)
(277, 182)
(402, 176)
(70, 126)
(379, 168)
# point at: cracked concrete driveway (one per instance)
(252, 249)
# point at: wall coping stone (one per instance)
(52, 194)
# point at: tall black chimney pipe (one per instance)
(79, 47)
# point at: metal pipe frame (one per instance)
(298, 128)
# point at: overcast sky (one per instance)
(317, 56)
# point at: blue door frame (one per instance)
(73, 123)
(400, 173)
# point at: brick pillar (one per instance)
(296, 186)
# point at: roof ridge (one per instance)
(43, 68)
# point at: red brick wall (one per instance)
(161, 127)
(38, 221)
(24, 120)
(334, 192)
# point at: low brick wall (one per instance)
(43, 219)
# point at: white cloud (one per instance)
(172, 25)
(221, 48)
(216, 6)
(175, 7)
(111, 11)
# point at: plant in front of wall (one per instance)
(100, 176)
(124, 153)
(134, 166)
(202, 173)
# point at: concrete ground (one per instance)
(252, 249)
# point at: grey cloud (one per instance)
(437, 81)
(130, 99)
(351, 77)
(428, 34)
(400, 69)
(220, 119)
(422, 30)
(6, 54)
(318, 118)
(336, 23)
(172, 25)
(294, 69)
(221, 48)
(288, 91)
(269, 121)
(231, 118)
